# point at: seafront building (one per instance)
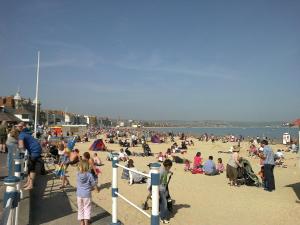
(16, 108)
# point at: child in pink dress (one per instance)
(187, 165)
(197, 161)
(220, 166)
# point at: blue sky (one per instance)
(186, 60)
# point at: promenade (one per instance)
(53, 206)
(3, 174)
(46, 204)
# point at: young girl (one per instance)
(220, 166)
(62, 167)
(92, 167)
(97, 163)
(187, 165)
(261, 173)
(197, 160)
(161, 157)
(85, 184)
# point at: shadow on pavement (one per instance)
(48, 202)
(296, 188)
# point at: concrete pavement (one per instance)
(53, 206)
(3, 174)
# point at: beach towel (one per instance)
(197, 171)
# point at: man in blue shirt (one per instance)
(209, 167)
(268, 156)
(26, 141)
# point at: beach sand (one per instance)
(206, 200)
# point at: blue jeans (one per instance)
(269, 177)
(163, 205)
(12, 148)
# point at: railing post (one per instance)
(25, 161)
(10, 160)
(22, 162)
(12, 193)
(155, 193)
(18, 174)
(114, 189)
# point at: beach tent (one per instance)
(155, 139)
(98, 145)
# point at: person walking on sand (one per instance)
(269, 163)
(163, 192)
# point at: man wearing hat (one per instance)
(27, 141)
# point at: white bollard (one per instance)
(13, 194)
(114, 189)
(155, 193)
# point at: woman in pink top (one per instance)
(197, 160)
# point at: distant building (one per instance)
(22, 108)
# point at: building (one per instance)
(22, 108)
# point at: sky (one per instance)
(155, 60)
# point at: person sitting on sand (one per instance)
(123, 155)
(279, 158)
(161, 157)
(293, 148)
(169, 154)
(135, 177)
(192, 143)
(183, 145)
(220, 166)
(197, 161)
(187, 165)
(252, 150)
(209, 167)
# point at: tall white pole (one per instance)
(36, 95)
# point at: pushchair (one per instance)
(246, 175)
(147, 150)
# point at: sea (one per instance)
(265, 132)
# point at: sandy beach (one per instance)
(201, 199)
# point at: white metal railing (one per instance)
(154, 176)
(13, 192)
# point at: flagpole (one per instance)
(36, 95)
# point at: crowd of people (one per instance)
(19, 138)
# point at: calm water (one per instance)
(273, 133)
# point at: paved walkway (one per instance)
(53, 206)
(3, 174)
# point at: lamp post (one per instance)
(36, 94)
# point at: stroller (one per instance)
(246, 175)
(147, 150)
